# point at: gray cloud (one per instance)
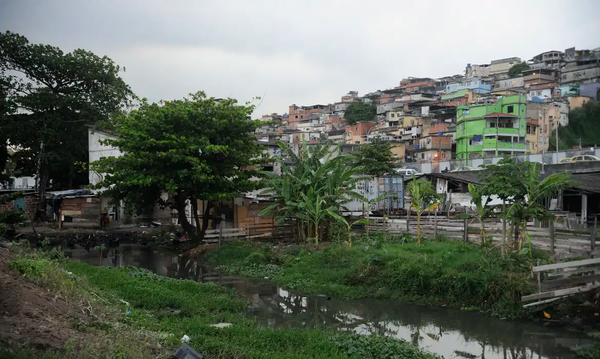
(300, 52)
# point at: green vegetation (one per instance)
(592, 351)
(165, 309)
(376, 158)
(519, 184)
(312, 191)
(360, 111)
(423, 198)
(436, 272)
(582, 128)
(517, 69)
(57, 94)
(196, 148)
(9, 219)
(482, 211)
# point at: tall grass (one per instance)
(436, 272)
(168, 309)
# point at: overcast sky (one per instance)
(301, 52)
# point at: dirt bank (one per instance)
(31, 316)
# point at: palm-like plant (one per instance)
(531, 204)
(482, 209)
(312, 190)
(423, 198)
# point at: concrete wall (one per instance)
(591, 89)
(508, 84)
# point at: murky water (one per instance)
(448, 332)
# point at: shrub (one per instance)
(256, 258)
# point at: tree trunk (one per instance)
(44, 173)
(516, 227)
(482, 233)
(205, 218)
(418, 227)
(194, 203)
(190, 230)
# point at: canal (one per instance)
(449, 332)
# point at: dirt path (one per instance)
(30, 315)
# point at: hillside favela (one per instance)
(228, 180)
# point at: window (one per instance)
(510, 109)
(301, 116)
(392, 115)
(493, 124)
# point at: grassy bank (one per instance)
(134, 313)
(435, 272)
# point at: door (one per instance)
(20, 203)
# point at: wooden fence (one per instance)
(562, 279)
(265, 231)
(576, 242)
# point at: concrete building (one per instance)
(350, 97)
(486, 130)
(590, 89)
(509, 84)
(547, 60)
(503, 65)
(386, 107)
(532, 141)
(477, 71)
(415, 85)
(546, 116)
(97, 150)
(357, 134)
(581, 66)
(475, 84)
(393, 118)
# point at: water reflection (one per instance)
(451, 333)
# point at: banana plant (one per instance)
(313, 185)
(423, 198)
(483, 210)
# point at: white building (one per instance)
(97, 151)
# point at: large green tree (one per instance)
(517, 69)
(53, 95)
(376, 158)
(195, 148)
(360, 111)
(582, 128)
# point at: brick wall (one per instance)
(29, 206)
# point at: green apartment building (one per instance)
(488, 130)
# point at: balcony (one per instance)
(500, 130)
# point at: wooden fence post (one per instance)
(466, 232)
(435, 233)
(221, 229)
(408, 220)
(593, 237)
(551, 230)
